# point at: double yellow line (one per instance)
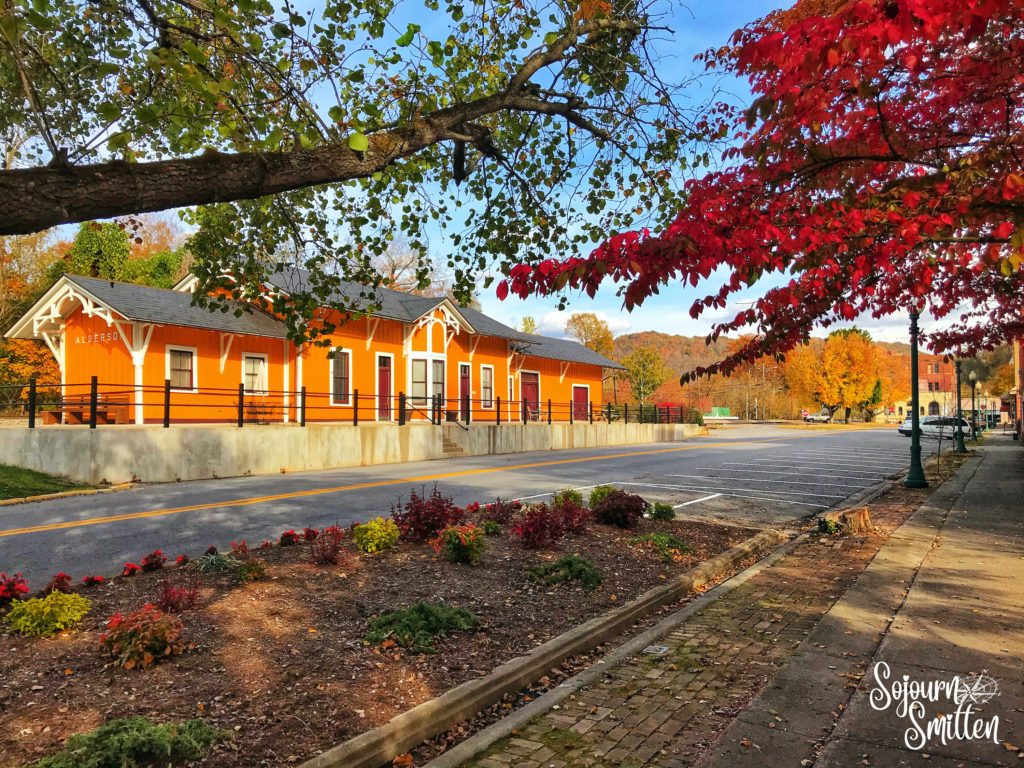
(377, 484)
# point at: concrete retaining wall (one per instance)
(153, 454)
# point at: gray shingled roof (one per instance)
(143, 304)
(567, 351)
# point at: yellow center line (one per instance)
(381, 484)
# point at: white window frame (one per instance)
(511, 397)
(194, 351)
(431, 358)
(266, 374)
(392, 407)
(485, 406)
(330, 376)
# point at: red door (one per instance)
(529, 390)
(580, 403)
(383, 388)
(465, 389)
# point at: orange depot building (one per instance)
(156, 358)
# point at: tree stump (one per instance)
(852, 521)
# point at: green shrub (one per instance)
(565, 569)
(664, 545)
(599, 494)
(419, 625)
(462, 544)
(132, 743)
(214, 562)
(661, 511)
(492, 528)
(43, 616)
(829, 527)
(251, 570)
(566, 496)
(375, 536)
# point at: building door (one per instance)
(580, 403)
(465, 390)
(529, 390)
(383, 388)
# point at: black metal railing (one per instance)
(97, 403)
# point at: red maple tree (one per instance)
(880, 165)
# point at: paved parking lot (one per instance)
(755, 476)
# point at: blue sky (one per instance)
(696, 28)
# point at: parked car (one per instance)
(937, 427)
(818, 418)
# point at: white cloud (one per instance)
(552, 323)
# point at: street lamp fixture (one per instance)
(974, 410)
(959, 446)
(915, 477)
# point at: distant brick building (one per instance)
(937, 392)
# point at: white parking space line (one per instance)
(809, 462)
(803, 473)
(722, 492)
(696, 501)
(859, 463)
(762, 490)
(870, 476)
(760, 480)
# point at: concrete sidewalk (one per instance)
(944, 597)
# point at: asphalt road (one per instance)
(750, 475)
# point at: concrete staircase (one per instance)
(450, 448)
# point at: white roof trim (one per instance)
(50, 307)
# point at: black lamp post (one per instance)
(959, 447)
(915, 477)
(974, 410)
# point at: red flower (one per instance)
(309, 533)
(92, 581)
(182, 559)
(130, 569)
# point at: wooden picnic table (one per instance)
(77, 412)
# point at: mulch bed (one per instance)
(281, 663)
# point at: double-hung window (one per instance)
(419, 381)
(181, 368)
(487, 386)
(341, 377)
(254, 374)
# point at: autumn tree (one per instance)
(311, 136)
(645, 372)
(590, 331)
(527, 325)
(879, 163)
(842, 375)
(404, 269)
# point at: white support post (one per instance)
(300, 401)
(141, 334)
(287, 401)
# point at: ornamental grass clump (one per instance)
(423, 517)
(565, 569)
(666, 546)
(213, 562)
(375, 536)
(134, 742)
(620, 509)
(45, 616)
(461, 544)
(419, 625)
(143, 638)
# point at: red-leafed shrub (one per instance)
(130, 569)
(425, 516)
(501, 511)
(144, 637)
(153, 561)
(59, 583)
(539, 526)
(309, 533)
(325, 548)
(575, 516)
(473, 507)
(238, 549)
(620, 508)
(182, 560)
(175, 598)
(288, 539)
(266, 545)
(11, 588)
(92, 581)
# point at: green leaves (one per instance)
(357, 142)
(410, 35)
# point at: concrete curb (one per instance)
(378, 747)
(483, 740)
(66, 494)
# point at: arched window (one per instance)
(933, 408)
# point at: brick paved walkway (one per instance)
(666, 711)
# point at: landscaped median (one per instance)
(372, 638)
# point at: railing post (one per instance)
(497, 404)
(167, 403)
(522, 409)
(608, 413)
(469, 404)
(32, 403)
(625, 413)
(591, 409)
(549, 410)
(355, 407)
(93, 398)
(241, 404)
(302, 407)
(572, 412)
(401, 409)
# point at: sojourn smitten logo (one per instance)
(910, 699)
